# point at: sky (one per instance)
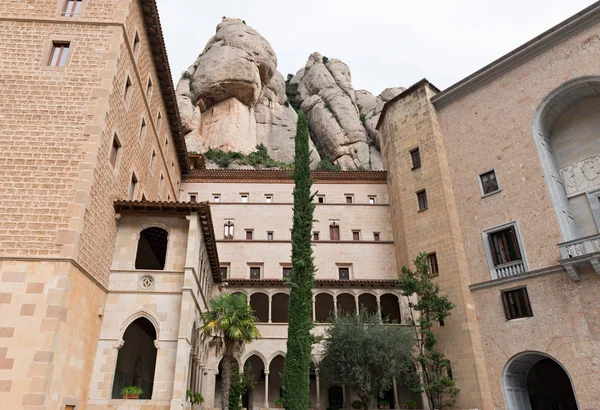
(386, 43)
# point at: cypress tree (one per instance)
(296, 369)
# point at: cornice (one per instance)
(278, 176)
(329, 283)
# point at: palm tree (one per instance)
(229, 322)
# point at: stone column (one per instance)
(270, 307)
(208, 387)
(314, 315)
(379, 307)
(266, 389)
(318, 391)
(335, 295)
(356, 303)
(396, 402)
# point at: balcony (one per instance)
(510, 269)
(580, 252)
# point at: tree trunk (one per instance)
(225, 381)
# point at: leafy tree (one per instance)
(430, 307)
(365, 354)
(230, 322)
(240, 384)
(296, 369)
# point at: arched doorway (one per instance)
(152, 249)
(566, 140)
(390, 308)
(255, 368)
(536, 381)
(275, 382)
(136, 360)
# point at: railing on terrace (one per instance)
(510, 269)
(580, 247)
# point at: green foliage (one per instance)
(194, 397)
(363, 119)
(229, 323)
(365, 354)
(384, 403)
(258, 159)
(357, 404)
(296, 368)
(292, 93)
(410, 404)
(240, 384)
(244, 21)
(326, 165)
(279, 401)
(431, 308)
(327, 106)
(132, 391)
(325, 60)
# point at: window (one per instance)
(344, 273)
(433, 264)
(422, 198)
(127, 93)
(228, 232)
(269, 236)
(115, 151)
(334, 231)
(136, 45)
(166, 143)
(58, 54)
(249, 233)
(315, 236)
(69, 407)
(376, 236)
(153, 161)
(244, 198)
(268, 199)
(224, 270)
(287, 272)
(158, 121)
(152, 249)
(356, 235)
(142, 130)
(216, 198)
(415, 156)
(516, 303)
(149, 88)
(132, 187)
(254, 272)
(372, 200)
(321, 199)
(72, 8)
(504, 246)
(488, 181)
(349, 199)
(193, 197)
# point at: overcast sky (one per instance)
(385, 43)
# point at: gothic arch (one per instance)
(254, 353)
(274, 355)
(136, 315)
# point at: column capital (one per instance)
(266, 372)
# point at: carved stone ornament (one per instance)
(581, 176)
(119, 344)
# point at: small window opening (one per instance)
(422, 198)
(254, 272)
(152, 249)
(489, 183)
(133, 184)
(244, 198)
(321, 199)
(376, 236)
(287, 273)
(356, 235)
(128, 88)
(136, 45)
(223, 270)
(59, 54)
(149, 89)
(216, 198)
(371, 200)
(433, 264)
(142, 129)
(268, 199)
(249, 234)
(315, 236)
(344, 273)
(193, 197)
(415, 156)
(349, 199)
(334, 231)
(115, 151)
(153, 161)
(158, 121)
(516, 303)
(269, 236)
(228, 230)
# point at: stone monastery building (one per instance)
(113, 238)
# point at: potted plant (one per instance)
(357, 404)
(410, 404)
(189, 396)
(279, 403)
(384, 404)
(132, 392)
(198, 399)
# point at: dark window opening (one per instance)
(249, 234)
(349, 199)
(321, 199)
(114, 151)
(334, 232)
(516, 303)
(193, 198)
(422, 197)
(254, 272)
(433, 264)
(269, 236)
(344, 273)
(505, 246)
(136, 44)
(287, 273)
(72, 8)
(315, 236)
(489, 183)
(152, 249)
(127, 94)
(376, 236)
(356, 235)
(415, 156)
(132, 187)
(223, 270)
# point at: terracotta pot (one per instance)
(131, 396)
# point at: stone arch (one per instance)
(136, 315)
(274, 355)
(549, 111)
(152, 246)
(346, 303)
(516, 379)
(367, 301)
(390, 307)
(257, 354)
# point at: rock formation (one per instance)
(233, 98)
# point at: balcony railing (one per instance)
(510, 269)
(580, 247)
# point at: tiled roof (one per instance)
(330, 283)
(161, 63)
(164, 208)
(282, 175)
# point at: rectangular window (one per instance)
(254, 272)
(489, 183)
(132, 187)
(287, 273)
(433, 264)
(224, 271)
(344, 273)
(372, 200)
(422, 197)
(516, 303)
(321, 199)
(376, 236)
(504, 246)
(315, 236)
(269, 236)
(244, 198)
(356, 235)
(72, 8)
(349, 199)
(193, 197)
(228, 230)
(142, 130)
(58, 54)
(268, 199)
(216, 198)
(334, 232)
(115, 151)
(415, 157)
(149, 88)
(249, 234)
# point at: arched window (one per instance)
(390, 308)
(367, 302)
(136, 360)
(152, 249)
(279, 308)
(346, 304)
(324, 308)
(259, 302)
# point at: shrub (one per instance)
(325, 60)
(363, 119)
(326, 165)
(258, 158)
(292, 93)
(132, 391)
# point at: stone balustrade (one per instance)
(510, 269)
(580, 247)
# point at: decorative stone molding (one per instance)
(119, 344)
(581, 176)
